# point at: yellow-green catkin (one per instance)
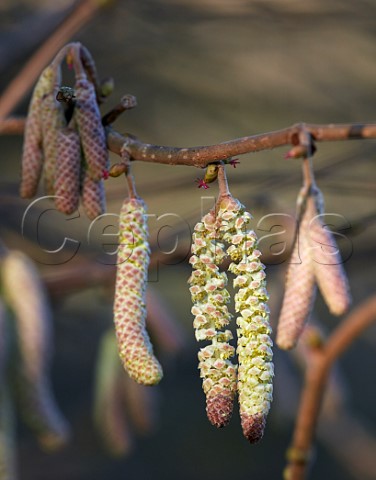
(326, 259)
(24, 295)
(300, 285)
(67, 180)
(53, 120)
(210, 298)
(109, 411)
(32, 153)
(135, 348)
(255, 356)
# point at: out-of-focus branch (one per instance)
(12, 126)
(20, 85)
(315, 382)
(87, 273)
(31, 31)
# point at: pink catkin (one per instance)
(93, 197)
(327, 264)
(32, 154)
(93, 137)
(67, 180)
(300, 288)
(52, 122)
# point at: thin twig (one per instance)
(305, 140)
(126, 103)
(21, 84)
(222, 181)
(315, 382)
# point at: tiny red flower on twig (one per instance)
(201, 184)
(234, 161)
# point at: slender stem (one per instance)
(131, 185)
(308, 176)
(126, 103)
(305, 139)
(315, 382)
(128, 174)
(222, 181)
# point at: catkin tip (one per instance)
(253, 426)
(53, 441)
(219, 409)
(144, 370)
(285, 342)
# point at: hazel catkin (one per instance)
(326, 260)
(210, 298)
(53, 120)
(89, 122)
(255, 356)
(135, 348)
(32, 153)
(300, 286)
(67, 181)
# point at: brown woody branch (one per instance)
(315, 382)
(201, 156)
(12, 126)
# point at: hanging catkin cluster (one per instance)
(72, 155)
(255, 371)
(210, 296)
(315, 261)
(135, 349)
(254, 350)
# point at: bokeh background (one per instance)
(204, 72)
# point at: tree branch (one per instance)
(201, 156)
(317, 372)
(12, 126)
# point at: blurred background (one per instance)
(205, 72)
